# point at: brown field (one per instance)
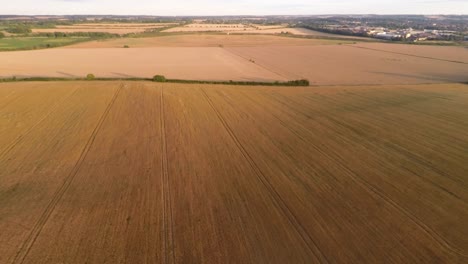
(352, 64)
(456, 54)
(116, 28)
(207, 40)
(246, 58)
(136, 172)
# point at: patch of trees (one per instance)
(78, 34)
(2, 35)
(18, 29)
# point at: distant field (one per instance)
(122, 28)
(455, 54)
(192, 63)
(211, 27)
(35, 42)
(138, 172)
(353, 64)
(245, 58)
(253, 29)
(300, 32)
(207, 40)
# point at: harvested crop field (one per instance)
(193, 63)
(210, 27)
(137, 172)
(454, 54)
(254, 29)
(245, 58)
(360, 64)
(208, 40)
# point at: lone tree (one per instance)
(159, 78)
(90, 77)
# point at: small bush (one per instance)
(159, 78)
(90, 77)
(126, 47)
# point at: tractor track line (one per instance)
(168, 224)
(36, 231)
(299, 228)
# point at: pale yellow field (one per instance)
(253, 29)
(197, 63)
(240, 28)
(210, 27)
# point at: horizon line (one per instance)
(244, 15)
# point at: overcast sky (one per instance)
(231, 7)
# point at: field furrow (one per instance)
(222, 211)
(315, 168)
(116, 194)
(142, 172)
(37, 166)
(168, 223)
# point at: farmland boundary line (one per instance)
(318, 254)
(35, 232)
(168, 224)
(18, 139)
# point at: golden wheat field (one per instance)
(141, 172)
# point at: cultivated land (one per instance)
(197, 63)
(138, 172)
(245, 58)
(353, 64)
(10, 44)
(213, 27)
(113, 28)
(207, 40)
(252, 29)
